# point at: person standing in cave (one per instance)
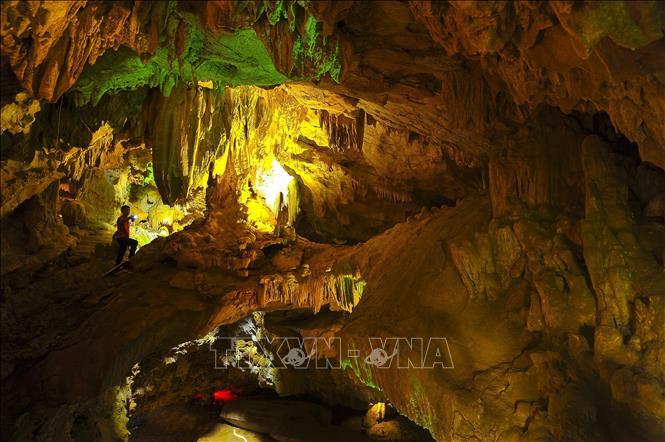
(122, 234)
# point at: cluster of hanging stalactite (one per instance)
(341, 292)
(77, 160)
(344, 133)
(21, 180)
(382, 192)
(392, 196)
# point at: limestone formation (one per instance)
(357, 220)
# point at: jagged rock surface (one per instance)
(489, 172)
(595, 56)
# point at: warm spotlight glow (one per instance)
(270, 183)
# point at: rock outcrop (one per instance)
(185, 133)
(489, 174)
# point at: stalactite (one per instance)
(293, 202)
(291, 289)
(344, 133)
(392, 195)
(77, 160)
(182, 130)
(341, 292)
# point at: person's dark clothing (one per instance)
(123, 243)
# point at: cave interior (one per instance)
(356, 220)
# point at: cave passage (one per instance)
(363, 220)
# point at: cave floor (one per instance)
(266, 420)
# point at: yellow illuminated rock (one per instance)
(389, 220)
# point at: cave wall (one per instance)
(574, 56)
(33, 233)
(341, 159)
(552, 330)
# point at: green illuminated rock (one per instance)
(188, 53)
(229, 60)
(311, 51)
(626, 25)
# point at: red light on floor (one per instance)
(225, 395)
